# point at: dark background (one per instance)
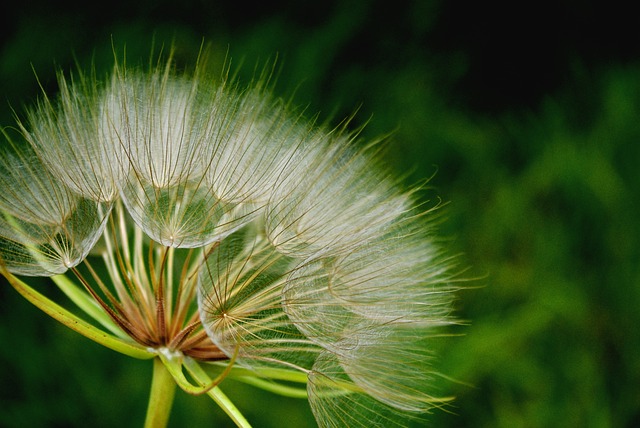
(526, 115)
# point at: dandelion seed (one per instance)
(227, 231)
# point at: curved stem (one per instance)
(73, 322)
(84, 301)
(163, 389)
(216, 394)
(229, 408)
(276, 388)
(173, 362)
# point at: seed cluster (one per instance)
(227, 226)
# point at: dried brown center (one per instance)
(152, 299)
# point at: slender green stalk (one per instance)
(216, 394)
(84, 301)
(229, 408)
(174, 363)
(276, 388)
(73, 322)
(163, 389)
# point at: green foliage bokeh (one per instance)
(541, 178)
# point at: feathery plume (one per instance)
(228, 231)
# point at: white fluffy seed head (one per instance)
(311, 258)
(152, 119)
(67, 137)
(255, 149)
(331, 201)
(45, 228)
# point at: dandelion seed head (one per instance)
(232, 227)
(152, 122)
(66, 136)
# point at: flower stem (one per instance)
(163, 389)
(79, 325)
(216, 394)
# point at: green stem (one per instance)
(84, 301)
(276, 388)
(229, 408)
(163, 389)
(216, 394)
(73, 322)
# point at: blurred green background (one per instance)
(525, 116)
